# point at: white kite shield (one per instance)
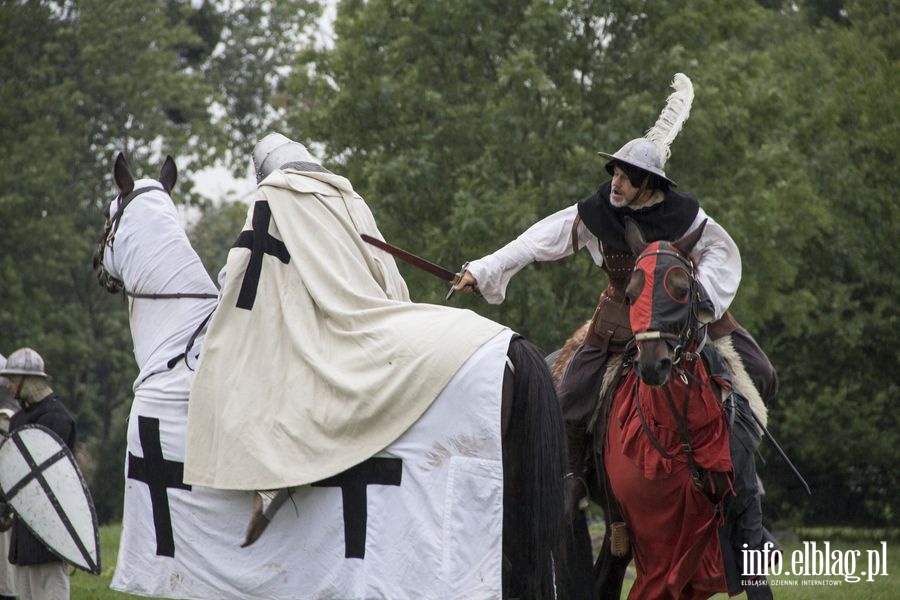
(44, 486)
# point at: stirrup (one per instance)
(265, 504)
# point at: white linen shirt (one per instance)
(716, 255)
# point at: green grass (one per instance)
(96, 587)
(91, 587)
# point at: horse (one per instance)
(144, 253)
(667, 455)
(665, 412)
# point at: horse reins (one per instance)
(683, 433)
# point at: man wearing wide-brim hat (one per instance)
(640, 190)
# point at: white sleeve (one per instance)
(547, 240)
(718, 263)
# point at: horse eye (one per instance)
(677, 285)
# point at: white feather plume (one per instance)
(673, 115)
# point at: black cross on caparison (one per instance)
(159, 474)
(353, 483)
(259, 241)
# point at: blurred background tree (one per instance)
(462, 123)
(81, 81)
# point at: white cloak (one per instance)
(332, 363)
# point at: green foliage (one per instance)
(462, 124)
(214, 235)
(80, 82)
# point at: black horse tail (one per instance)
(533, 479)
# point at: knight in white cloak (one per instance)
(315, 359)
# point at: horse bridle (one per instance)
(108, 236)
(115, 285)
(687, 334)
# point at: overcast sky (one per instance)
(217, 183)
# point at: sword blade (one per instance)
(781, 452)
(412, 259)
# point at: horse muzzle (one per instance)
(655, 358)
(654, 372)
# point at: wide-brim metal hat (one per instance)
(650, 152)
(640, 153)
(24, 361)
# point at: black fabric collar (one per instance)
(41, 405)
(668, 220)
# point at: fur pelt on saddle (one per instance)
(740, 379)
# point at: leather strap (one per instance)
(722, 327)
(575, 234)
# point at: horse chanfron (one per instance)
(664, 302)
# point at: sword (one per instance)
(781, 452)
(417, 261)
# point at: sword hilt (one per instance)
(452, 289)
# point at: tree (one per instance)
(80, 82)
(215, 233)
(464, 124)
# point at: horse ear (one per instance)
(634, 236)
(122, 175)
(168, 174)
(687, 243)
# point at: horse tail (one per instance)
(533, 477)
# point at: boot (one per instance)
(577, 497)
(265, 504)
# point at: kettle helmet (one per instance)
(24, 361)
(649, 153)
(275, 150)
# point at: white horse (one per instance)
(439, 534)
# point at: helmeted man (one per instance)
(8, 407)
(39, 573)
(640, 190)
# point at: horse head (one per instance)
(124, 180)
(145, 253)
(666, 305)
